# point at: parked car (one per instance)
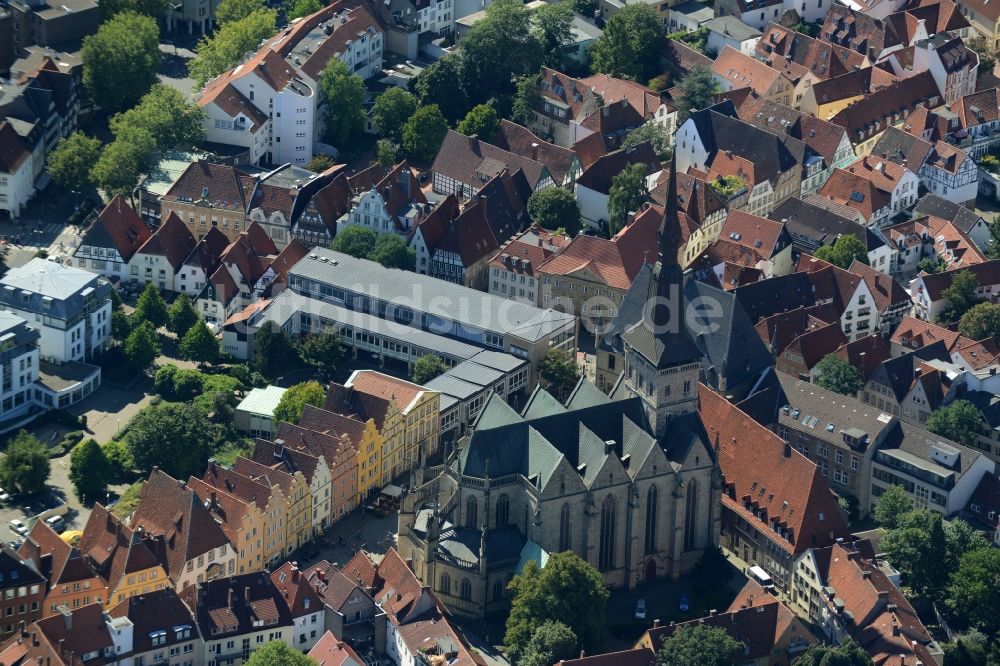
(18, 527)
(684, 605)
(640, 609)
(4, 496)
(56, 523)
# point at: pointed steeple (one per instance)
(669, 236)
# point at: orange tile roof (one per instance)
(741, 70)
(385, 387)
(776, 481)
(752, 231)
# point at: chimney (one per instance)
(583, 653)
(404, 181)
(788, 450)
(67, 618)
(656, 623)
(895, 627)
(712, 612)
(295, 573)
(229, 601)
(246, 594)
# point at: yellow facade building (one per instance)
(242, 522)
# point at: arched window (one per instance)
(691, 516)
(503, 510)
(472, 513)
(606, 558)
(466, 589)
(445, 583)
(565, 529)
(498, 590)
(651, 520)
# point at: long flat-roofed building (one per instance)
(408, 307)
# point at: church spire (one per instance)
(669, 236)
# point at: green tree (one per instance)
(966, 650)
(987, 56)
(392, 252)
(154, 9)
(481, 121)
(320, 163)
(72, 159)
(497, 49)
(125, 49)
(974, 596)
(120, 326)
(960, 422)
(89, 471)
(391, 111)
(697, 645)
(567, 590)
(931, 266)
(123, 160)
(555, 208)
(631, 44)
(323, 351)
(627, 194)
(526, 99)
(424, 132)
(961, 296)
(426, 368)
(916, 548)
(172, 436)
(200, 345)
(142, 346)
(552, 642)
(552, 26)
(272, 351)
(302, 8)
(289, 409)
(386, 153)
(163, 382)
(891, 506)
(151, 307)
(654, 132)
(182, 316)
(278, 653)
(584, 7)
(843, 252)
(234, 39)
(120, 463)
(442, 84)
(170, 119)
(839, 376)
(993, 244)
(846, 654)
(697, 91)
(356, 241)
(558, 368)
(24, 468)
(230, 11)
(981, 321)
(960, 538)
(345, 108)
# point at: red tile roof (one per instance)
(331, 651)
(172, 241)
(13, 150)
(635, 657)
(293, 584)
(741, 70)
(757, 233)
(123, 226)
(776, 481)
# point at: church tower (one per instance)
(662, 361)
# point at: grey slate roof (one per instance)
(26, 288)
(730, 26)
(422, 293)
(962, 217)
(820, 226)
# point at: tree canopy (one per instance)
(151, 307)
(960, 422)
(24, 468)
(697, 645)
(697, 92)
(71, 161)
(142, 346)
(961, 295)
(323, 351)
(354, 240)
(272, 352)
(426, 368)
(124, 49)
(123, 160)
(974, 596)
(552, 26)
(89, 471)
(845, 654)
(154, 9)
(568, 590)
(289, 409)
(424, 132)
(345, 114)
(631, 44)
(217, 53)
(981, 321)
(278, 653)
(839, 376)
(442, 85)
(392, 252)
(891, 506)
(170, 119)
(558, 368)
(320, 163)
(655, 133)
(481, 121)
(171, 436)
(551, 642)
(497, 49)
(300, 8)
(555, 208)
(181, 316)
(391, 111)
(843, 251)
(627, 194)
(200, 345)
(230, 11)
(916, 548)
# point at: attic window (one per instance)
(204, 193)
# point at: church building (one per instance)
(628, 481)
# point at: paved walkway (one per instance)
(109, 409)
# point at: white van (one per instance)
(56, 523)
(761, 576)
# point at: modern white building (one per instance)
(17, 183)
(71, 308)
(18, 366)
